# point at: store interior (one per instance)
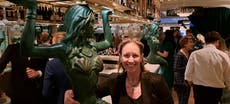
(199, 15)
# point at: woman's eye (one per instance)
(126, 56)
(135, 56)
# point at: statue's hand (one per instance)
(106, 12)
(30, 4)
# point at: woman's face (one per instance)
(131, 57)
(190, 44)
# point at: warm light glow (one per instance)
(184, 12)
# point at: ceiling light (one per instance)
(184, 12)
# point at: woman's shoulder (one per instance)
(152, 77)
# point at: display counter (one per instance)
(109, 59)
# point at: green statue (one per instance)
(76, 51)
(153, 43)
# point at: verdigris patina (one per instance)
(76, 51)
(153, 43)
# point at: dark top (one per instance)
(179, 67)
(55, 82)
(146, 49)
(153, 86)
(22, 89)
(169, 46)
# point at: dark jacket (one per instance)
(22, 89)
(56, 82)
(153, 86)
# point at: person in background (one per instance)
(225, 99)
(55, 81)
(167, 51)
(188, 33)
(177, 37)
(134, 85)
(26, 75)
(181, 86)
(200, 42)
(222, 46)
(44, 39)
(208, 70)
(2, 38)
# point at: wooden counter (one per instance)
(109, 59)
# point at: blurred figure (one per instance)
(177, 36)
(2, 38)
(225, 99)
(188, 33)
(26, 75)
(44, 39)
(208, 70)
(167, 51)
(222, 46)
(56, 81)
(181, 86)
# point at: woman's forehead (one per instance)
(131, 47)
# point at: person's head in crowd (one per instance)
(57, 37)
(169, 36)
(44, 38)
(187, 43)
(212, 37)
(177, 33)
(200, 38)
(131, 56)
(188, 33)
(222, 45)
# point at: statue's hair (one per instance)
(121, 46)
(153, 28)
(76, 18)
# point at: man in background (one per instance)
(208, 70)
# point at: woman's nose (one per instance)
(130, 59)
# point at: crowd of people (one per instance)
(72, 75)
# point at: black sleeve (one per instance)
(163, 92)
(103, 85)
(6, 57)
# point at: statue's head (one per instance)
(78, 22)
(153, 28)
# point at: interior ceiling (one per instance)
(170, 4)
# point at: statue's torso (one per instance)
(83, 66)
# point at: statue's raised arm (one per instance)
(27, 38)
(107, 32)
(144, 28)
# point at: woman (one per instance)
(167, 51)
(134, 85)
(76, 51)
(182, 87)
